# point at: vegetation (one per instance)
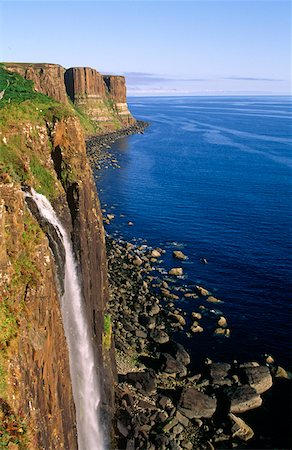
(107, 332)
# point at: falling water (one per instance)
(82, 368)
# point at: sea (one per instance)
(212, 176)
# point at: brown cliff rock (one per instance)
(116, 85)
(36, 355)
(39, 387)
(47, 78)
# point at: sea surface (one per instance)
(212, 176)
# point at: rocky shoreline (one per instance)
(162, 401)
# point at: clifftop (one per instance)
(100, 100)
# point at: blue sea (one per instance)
(212, 176)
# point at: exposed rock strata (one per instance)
(47, 78)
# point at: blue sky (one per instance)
(163, 47)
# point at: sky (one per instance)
(194, 47)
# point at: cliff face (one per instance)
(45, 149)
(117, 89)
(47, 78)
(100, 98)
(103, 98)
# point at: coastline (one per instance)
(153, 405)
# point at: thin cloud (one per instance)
(252, 79)
(142, 78)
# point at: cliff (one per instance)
(42, 146)
(102, 98)
(99, 99)
(47, 78)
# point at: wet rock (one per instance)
(281, 373)
(190, 295)
(138, 261)
(212, 299)
(155, 254)
(242, 398)
(202, 291)
(222, 322)
(130, 223)
(222, 332)
(249, 364)
(196, 328)
(269, 359)
(176, 271)
(110, 216)
(196, 404)
(179, 255)
(259, 378)
(145, 382)
(240, 429)
(159, 336)
(196, 315)
(177, 318)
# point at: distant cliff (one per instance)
(42, 146)
(101, 99)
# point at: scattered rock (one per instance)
(196, 328)
(196, 315)
(159, 336)
(222, 322)
(282, 373)
(212, 299)
(219, 373)
(155, 254)
(240, 429)
(179, 255)
(196, 404)
(130, 223)
(176, 271)
(170, 365)
(138, 261)
(177, 318)
(202, 291)
(177, 351)
(190, 295)
(222, 332)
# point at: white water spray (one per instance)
(82, 368)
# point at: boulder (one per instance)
(259, 378)
(202, 291)
(240, 429)
(177, 351)
(179, 255)
(147, 321)
(242, 398)
(212, 299)
(177, 318)
(219, 373)
(176, 271)
(196, 404)
(145, 382)
(222, 332)
(153, 310)
(196, 328)
(137, 261)
(170, 365)
(159, 336)
(155, 254)
(190, 295)
(196, 315)
(222, 322)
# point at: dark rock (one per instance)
(219, 373)
(159, 336)
(171, 366)
(242, 398)
(195, 404)
(145, 382)
(258, 378)
(177, 351)
(122, 429)
(141, 334)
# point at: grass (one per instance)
(107, 332)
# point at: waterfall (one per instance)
(82, 362)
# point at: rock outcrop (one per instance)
(47, 78)
(100, 97)
(117, 90)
